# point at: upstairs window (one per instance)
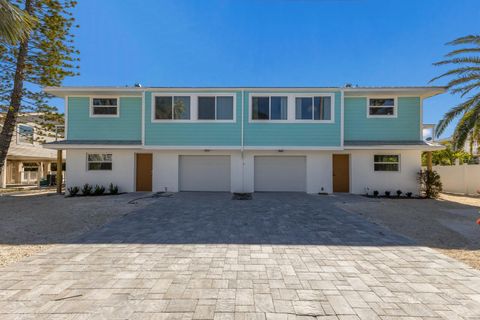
(269, 108)
(172, 108)
(25, 134)
(99, 161)
(313, 108)
(386, 162)
(107, 107)
(215, 108)
(382, 108)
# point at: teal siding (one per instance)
(406, 126)
(192, 133)
(293, 134)
(128, 126)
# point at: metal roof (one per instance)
(424, 91)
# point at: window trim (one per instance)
(269, 96)
(87, 162)
(173, 105)
(399, 162)
(332, 108)
(395, 107)
(291, 106)
(92, 115)
(193, 107)
(18, 134)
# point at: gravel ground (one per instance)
(32, 222)
(447, 224)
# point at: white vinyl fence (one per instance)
(462, 179)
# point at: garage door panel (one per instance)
(204, 173)
(281, 173)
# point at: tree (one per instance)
(43, 58)
(15, 24)
(430, 184)
(465, 63)
(447, 156)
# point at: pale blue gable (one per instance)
(192, 133)
(128, 126)
(406, 126)
(293, 134)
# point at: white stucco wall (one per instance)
(363, 176)
(122, 174)
(319, 170)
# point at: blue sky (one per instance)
(270, 43)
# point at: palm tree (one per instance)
(15, 24)
(466, 80)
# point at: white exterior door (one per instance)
(204, 173)
(280, 173)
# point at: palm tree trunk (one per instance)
(16, 96)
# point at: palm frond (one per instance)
(464, 127)
(463, 79)
(459, 71)
(15, 24)
(466, 39)
(465, 89)
(462, 60)
(462, 51)
(454, 113)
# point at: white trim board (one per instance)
(193, 107)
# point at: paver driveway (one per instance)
(204, 256)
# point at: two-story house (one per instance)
(27, 163)
(312, 139)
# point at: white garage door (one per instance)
(282, 173)
(204, 173)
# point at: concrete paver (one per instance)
(205, 256)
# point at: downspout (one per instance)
(143, 118)
(242, 142)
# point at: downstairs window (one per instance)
(99, 161)
(386, 162)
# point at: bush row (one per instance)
(387, 193)
(90, 190)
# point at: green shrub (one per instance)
(409, 194)
(387, 194)
(430, 184)
(72, 191)
(113, 189)
(87, 189)
(399, 193)
(99, 190)
(376, 193)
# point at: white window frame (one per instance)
(92, 115)
(291, 107)
(216, 96)
(18, 135)
(395, 107)
(173, 98)
(269, 96)
(101, 153)
(399, 162)
(193, 107)
(332, 107)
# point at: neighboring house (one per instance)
(27, 162)
(245, 139)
